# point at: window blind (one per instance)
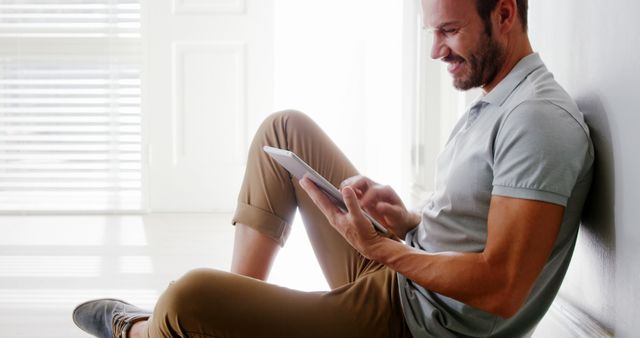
(70, 117)
(70, 18)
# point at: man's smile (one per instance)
(454, 67)
(454, 62)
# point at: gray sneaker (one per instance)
(108, 318)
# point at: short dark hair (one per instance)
(485, 7)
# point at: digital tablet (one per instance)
(298, 168)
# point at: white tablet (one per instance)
(298, 168)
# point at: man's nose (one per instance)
(438, 49)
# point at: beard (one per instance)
(483, 64)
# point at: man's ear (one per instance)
(505, 15)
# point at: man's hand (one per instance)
(382, 202)
(353, 225)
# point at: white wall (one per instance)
(340, 62)
(593, 48)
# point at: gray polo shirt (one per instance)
(525, 139)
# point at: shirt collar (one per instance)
(522, 69)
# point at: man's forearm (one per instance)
(467, 277)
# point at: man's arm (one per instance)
(520, 238)
(521, 234)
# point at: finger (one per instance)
(359, 219)
(387, 193)
(359, 183)
(370, 197)
(389, 209)
(350, 181)
(392, 214)
(377, 194)
(351, 201)
(319, 198)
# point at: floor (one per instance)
(48, 264)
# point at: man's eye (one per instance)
(449, 31)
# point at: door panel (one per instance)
(208, 79)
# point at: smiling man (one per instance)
(486, 256)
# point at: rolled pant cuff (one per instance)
(262, 221)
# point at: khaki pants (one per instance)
(363, 301)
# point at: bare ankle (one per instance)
(138, 330)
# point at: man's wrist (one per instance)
(381, 251)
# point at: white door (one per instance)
(207, 84)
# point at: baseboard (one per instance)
(566, 320)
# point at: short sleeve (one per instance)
(539, 153)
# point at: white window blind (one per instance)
(70, 18)
(70, 118)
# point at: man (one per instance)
(485, 258)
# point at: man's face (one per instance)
(460, 40)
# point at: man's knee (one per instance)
(288, 119)
(181, 296)
(277, 128)
(287, 115)
(181, 306)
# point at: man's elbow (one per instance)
(508, 302)
(506, 311)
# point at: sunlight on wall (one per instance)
(340, 62)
